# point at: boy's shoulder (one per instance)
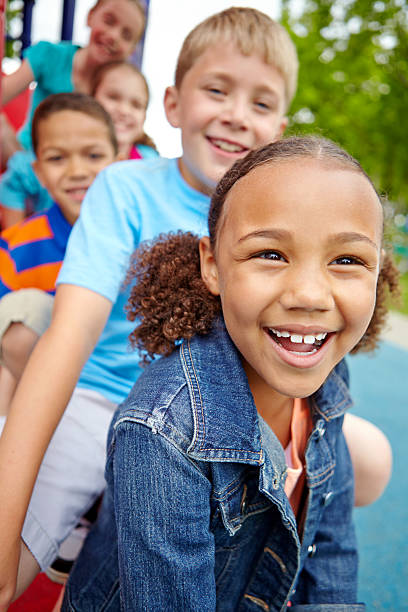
(138, 169)
(144, 179)
(39, 227)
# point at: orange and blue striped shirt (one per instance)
(31, 252)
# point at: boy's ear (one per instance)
(171, 106)
(36, 166)
(282, 127)
(209, 270)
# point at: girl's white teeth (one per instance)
(298, 339)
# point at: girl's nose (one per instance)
(113, 36)
(308, 290)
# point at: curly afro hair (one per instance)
(169, 296)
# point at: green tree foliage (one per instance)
(12, 24)
(353, 83)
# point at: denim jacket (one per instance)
(195, 517)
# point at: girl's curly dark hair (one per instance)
(169, 297)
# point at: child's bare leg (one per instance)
(8, 386)
(371, 456)
(16, 347)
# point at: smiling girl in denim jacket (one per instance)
(230, 486)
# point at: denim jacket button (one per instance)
(328, 498)
(320, 428)
(311, 550)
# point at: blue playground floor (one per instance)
(380, 392)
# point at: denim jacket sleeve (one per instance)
(165, 546)
(329, 573)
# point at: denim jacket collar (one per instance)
(220, 393)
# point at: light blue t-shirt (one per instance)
(51, 64)
(20, 188)
(128, 202)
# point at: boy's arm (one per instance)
(46, 386)
(13, 84)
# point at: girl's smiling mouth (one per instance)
(300, 350)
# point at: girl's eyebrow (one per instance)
(281, 234)
(352, 237)
(277, 234)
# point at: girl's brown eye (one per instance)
(271, 255)
(347, 260)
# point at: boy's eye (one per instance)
(54, 158)
(263, 106)
(347, 260)
(96, 155)
(215, 90)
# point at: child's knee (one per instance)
(16, 346)
(24, 316)
(371, 455)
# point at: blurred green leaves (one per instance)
(353, 83)
(13, 26)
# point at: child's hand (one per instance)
(9, 560)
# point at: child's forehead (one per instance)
(61, 125)
(302, 192)
(214, 56)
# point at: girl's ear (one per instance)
(89, 16)
(209, 270)
(382, 257)
(171, 106)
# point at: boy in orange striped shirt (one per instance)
(73, 138)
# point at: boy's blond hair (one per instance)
(252, 32)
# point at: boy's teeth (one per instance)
(228, 146)
(298, 338)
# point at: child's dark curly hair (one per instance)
(169, 296)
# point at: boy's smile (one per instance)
(227, 104)
(72, 148)
(296, 266)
